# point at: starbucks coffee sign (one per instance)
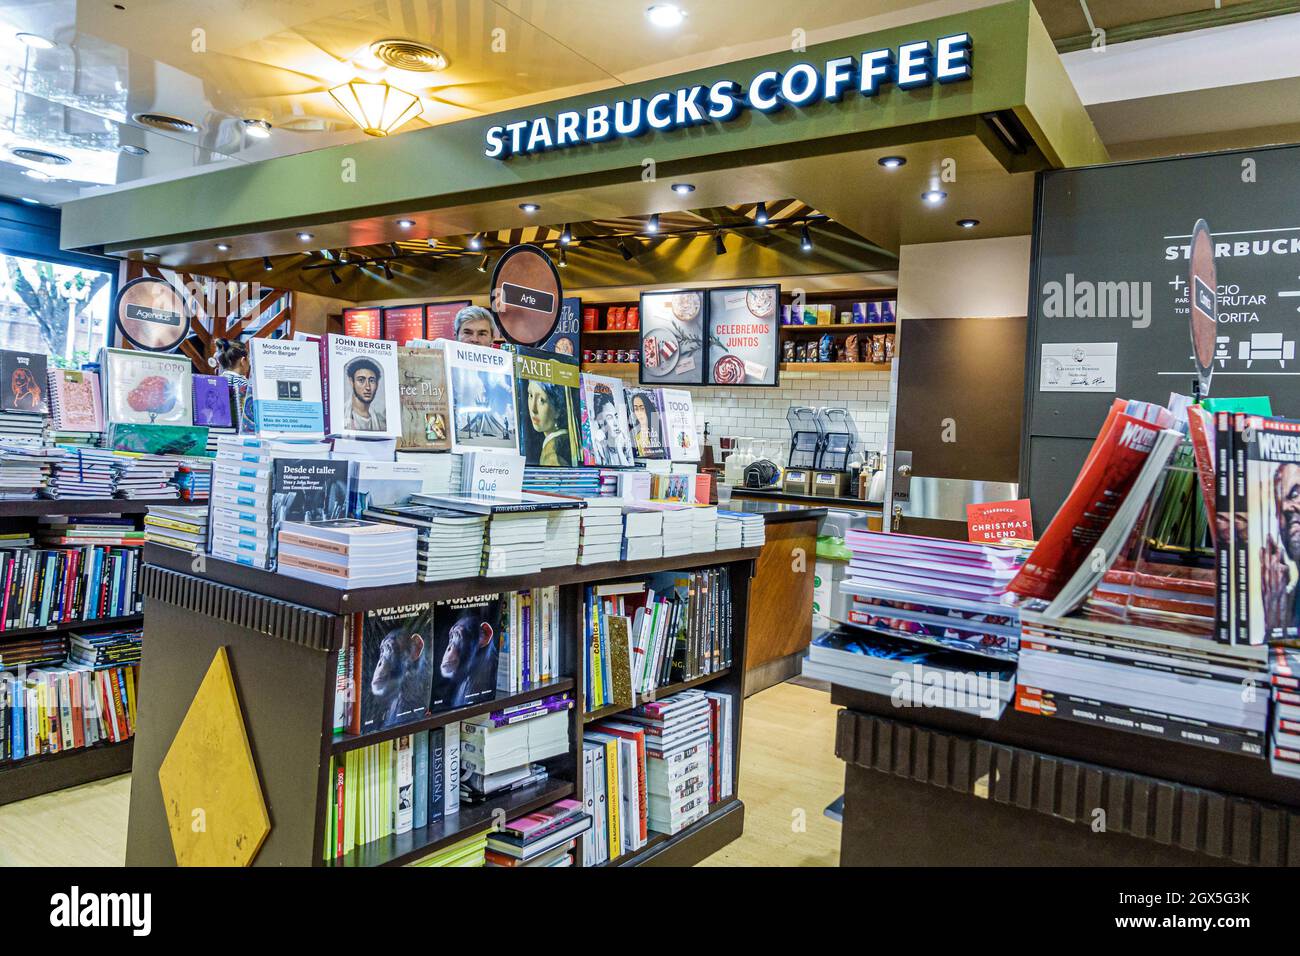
(906, 66)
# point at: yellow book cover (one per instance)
(597, 678)
(613, 800)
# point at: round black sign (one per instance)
(526, 295)
(151, 314)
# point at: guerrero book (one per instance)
(76, 401)
(147, 388)
(547, 403)
(467, 636)
(606, 438)
(25, 382)
(286, 381)
(1272, 546)
(643, 418)
(308, 489)
(422, 387)
(398, 664)
(212, 400)
(482, 391)
(363, 395)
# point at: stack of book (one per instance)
(442, 470)
(347, 552)
(752, 527)
(1284, 678)
(99, 649)
(497, 758)
(543, 838)
(24, 474)
(449, 544)
(515, 544)
(35, 650)
(178, 526)
(83, 473)
(53, 709)
(76, 531)
(678, 759)
(22, 429)
(469, 852)
(643, 533)
(396, 786)
(727, 531)
(704, 528)
(575, 482)
(530, 653)
(1159, 683)
(601, 535)
(145, 476)
(678, 528)
(563, 536)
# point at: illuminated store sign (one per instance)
(907, 66)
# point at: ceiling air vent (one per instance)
(171, 124)
(409, 55)
(41, 156)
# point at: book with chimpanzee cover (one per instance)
(467, 645)
(398, 662)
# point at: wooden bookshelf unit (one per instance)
(283, 637)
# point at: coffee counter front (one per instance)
(781, 594)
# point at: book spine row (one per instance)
(48, 711)
(531, 646)
(43, 587)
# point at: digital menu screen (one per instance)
(674, 350)
(440, 319)
(403, 323)
(744, 335)
(363, 323)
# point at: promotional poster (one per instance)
(285, 376)
(744, 336)
(482, 384)
(467, 644)
(397, 666)
(547, 403)
(363, 387)
(673, 346)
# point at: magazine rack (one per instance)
(283, 638)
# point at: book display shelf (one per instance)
(283, 638)
(46, 773)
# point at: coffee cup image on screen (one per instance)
(483, 407)
(363, 388)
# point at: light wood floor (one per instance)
(788, 774)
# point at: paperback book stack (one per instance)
(184, 527)
(79, 531)
(704, 528)
(106, 648)
(469, 852)
(145, 476)
(442, 470)
(563, 536)
(1284, 678)
(678, 759)
(530, 653)
(24, 473)
(83, 473)
(544, 838)
(601, 531)
(347, 552)
(727, 531)
(498, 758)
(449, 544)
(643, 533)
(678, 528)
(22, 429)
(575, 482)
(753, 532)
(516, 535)
(50, 710)
(397, 786)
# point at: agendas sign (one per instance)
(526, 295)
(151, 314)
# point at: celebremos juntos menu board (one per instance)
(727, 336)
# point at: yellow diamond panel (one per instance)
(214, 804)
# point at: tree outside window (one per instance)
(59, 310)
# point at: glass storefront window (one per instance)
(61, 310)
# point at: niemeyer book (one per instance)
(606, 438)
(482, 388)
(547, 403)
(398, 665)
(147, 388)
(426, 411)
(362, 378)
(467, 635)
(285, 375)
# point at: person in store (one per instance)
(230, 358)
(549, 418)
(364, 377)
(474, 324)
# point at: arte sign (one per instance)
(907, 66)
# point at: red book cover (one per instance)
(1101, 488)
(1200, 427)
(993, 521)
(362, 323)
(403, 323)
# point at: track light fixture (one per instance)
(564, 258)
(719, 244)
(627, 253)
(652, 226)
(394, 248)
(566, 236)
(388, 272)
(476, 242)
(483, 264)
(266, 264)
(334, 277)
(760, 214)
(805, 238)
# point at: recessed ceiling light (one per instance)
(35, 41)
(968, 223)
(164, 121)
(529, 206)
(257, 128)
(34, 155)
(934, 196)
(305, 236)
(892, 162)
(406, 223)
(223, 247)
(665, 15)
(132, 150)
(683, 188)
(37, 175)
(30, 201)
